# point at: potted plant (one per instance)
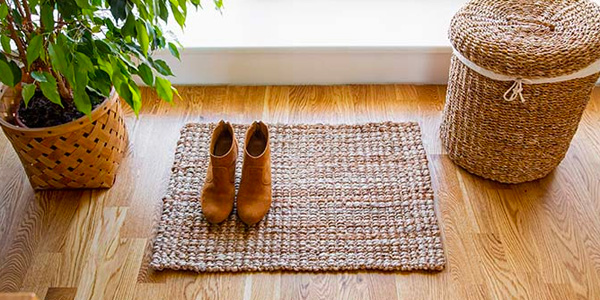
(64, 64)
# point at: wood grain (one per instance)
(538, 240)
(18, 296)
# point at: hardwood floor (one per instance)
(539, 240)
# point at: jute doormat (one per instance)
(345, 197)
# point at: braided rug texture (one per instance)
(345, 197)
(514, 141)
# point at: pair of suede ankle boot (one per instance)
(254, 194)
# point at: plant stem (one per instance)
(27, 10)
(15, 37)
(63, 89)
(18, 5)
(10, 55)
(27, 14)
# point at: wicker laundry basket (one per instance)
(520, 77)
(83, 153)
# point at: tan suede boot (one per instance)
(254, 194)
(218, 192)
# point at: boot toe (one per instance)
(215, 218)
(251, 215)
(215, 214)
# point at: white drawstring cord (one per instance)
(516, 89)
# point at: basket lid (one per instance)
(528, 38)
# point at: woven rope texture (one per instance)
(511, 141)
(80, 154)
(345, 197)
(528, 38)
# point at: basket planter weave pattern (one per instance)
(78, 154)
(525, 137)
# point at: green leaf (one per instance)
(174, 50)
(86, 44)
(65, 42)
(39, 76)
(125, 92)
(100, 81)
(105, 66)
(163, 12)
(162, 67)
(102, 44)
(68, 9)
(59, 60)
(159, 40)
(163, 89)
(16, 16)
(16, 71)
(57, 56)
(153, 36)
(146, 74)
(5, 44)
(136, 97)
(27, 92)
(72, 81)
(127, 62)
(47, 16)
(176, 92)
(151, 5)
(143, 12)
(6, 75)
(83, 3)
(33, 49)
(142, 36)
(179, 16)
(10, 72)
(50, 90)
(103, 47)
(82, 101)
(84, 62)
(120, 68)
(81, 77)
(129, 26)
(118, 9)
(33, 4)
(3, 11)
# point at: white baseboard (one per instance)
(282, 66)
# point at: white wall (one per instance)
(319, 23)
(316, 42)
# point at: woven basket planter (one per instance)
(520, 77)
(83, 153)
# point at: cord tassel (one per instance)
(517, 91)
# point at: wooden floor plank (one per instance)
(539, 240)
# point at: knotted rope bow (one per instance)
(517, 91)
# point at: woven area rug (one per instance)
(345, 197)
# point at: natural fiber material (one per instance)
(345, 197)
(514, 141)
(78, 154)
(527, 38)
